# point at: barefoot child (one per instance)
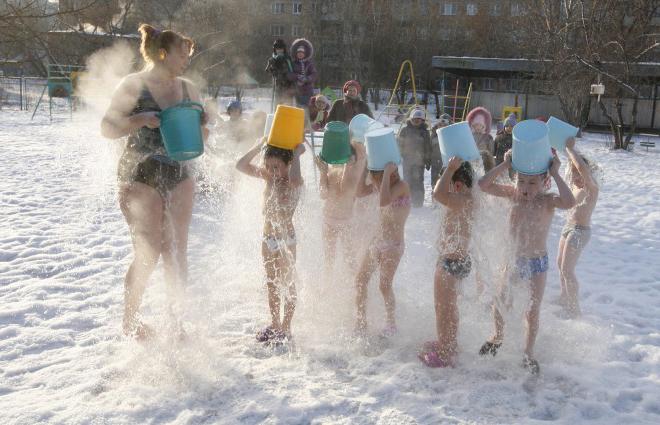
(577, 231)
(386, 249)
(338, 187)
(281, 171)
(454, 191)
(529, 222)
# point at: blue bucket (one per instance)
(558, 132)
(531, 152)
(457, 140)
(382, 149)
(181, 130)
(269, 124)
(360, 125)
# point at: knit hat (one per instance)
(322, 98)
(234, 104)
(354, 83)
(510, 120)
(445, 119)
(279, 44)
(418, 113)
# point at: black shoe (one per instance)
(532, 365)
(489, 348)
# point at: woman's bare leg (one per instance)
(178, 213)
(142, 207)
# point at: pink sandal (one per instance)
(432, 359)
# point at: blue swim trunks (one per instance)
(528, 267)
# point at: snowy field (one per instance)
(64, 250)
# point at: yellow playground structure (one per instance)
(454, 101)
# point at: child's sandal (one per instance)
(489, 348)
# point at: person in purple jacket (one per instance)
(304, 72)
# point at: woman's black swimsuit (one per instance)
(144, 159)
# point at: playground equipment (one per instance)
(401, 107)
(515, 110)
(60, 84)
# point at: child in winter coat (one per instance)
(415, 146)
(480, 122)
(319, 108)
(504, 140)
(304, 72)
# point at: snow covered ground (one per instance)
(64, 249)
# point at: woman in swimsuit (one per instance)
(155, 192)
(385, 251)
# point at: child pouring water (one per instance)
(338, 188)
(386, 249)
(281, 171)
(577, 231)
(454, 191)
(531, 214)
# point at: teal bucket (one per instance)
(181, 130)
(360, 125)
(382, 149)
(558, 132)
(531, 152)
(336, 147)
(457, 140)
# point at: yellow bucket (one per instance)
(288, 127)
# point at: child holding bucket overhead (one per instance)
(386, 249)
(576, 233)
(340, 171)
(454, 191)
(281, 171)
(529, 221)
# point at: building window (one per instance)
(278, 8)
(471, 9)
(277, 30)
(297, 8)
(296, 31)
(449, 9)
(487, 84)
(495, 9)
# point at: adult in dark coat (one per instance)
(504, 140)
(415, 146)
(304, 72)
(351, 105)
(280, 66)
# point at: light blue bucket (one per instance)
(531, 152)
(382, 149)
(181, 130)
(457, 140)
(269, 124)
(360, 125)
(558, 132)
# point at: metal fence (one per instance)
(20, 93)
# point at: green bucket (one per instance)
(336, 143)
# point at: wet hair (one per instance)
(153, 40)
(374, 173)
(464, 174)
(285, 155)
